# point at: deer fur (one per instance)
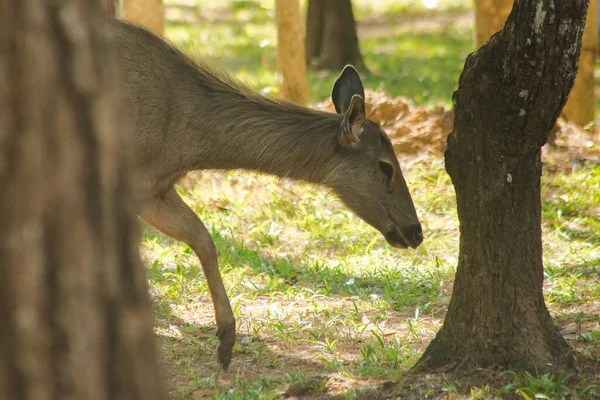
(188, 117)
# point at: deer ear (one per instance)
(345, 87)
(353, 123)
(348, 96)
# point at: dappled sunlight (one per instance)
(315, 290)
(348, 339)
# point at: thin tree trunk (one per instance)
(581, 106)
(147, 13)
(334, 34)
(314, 29)
(290, 52)
(75, 317)
(490, 16)
(509, 97)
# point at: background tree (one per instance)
(509, 97)
(75, 317)
(490, 16)
(290, 52)
(581, 106)
(108, 6)
(331, 37)
(147, 13)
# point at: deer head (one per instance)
(368, 178)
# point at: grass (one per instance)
(550, 386)
(316, 291)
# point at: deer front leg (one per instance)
(170, 215)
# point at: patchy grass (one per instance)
(318, 292)
(313, 287)
(318, 295)
(570, 213)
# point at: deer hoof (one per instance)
(226, 335)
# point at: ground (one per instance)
(324, 306)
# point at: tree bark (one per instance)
(147, 13)
(510, 94)
(581, 105)
(490, 16)
(108, 6)
(331, 34)
(75, 317)
(290, 52)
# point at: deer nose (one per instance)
(415, 235)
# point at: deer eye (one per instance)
(387, 170)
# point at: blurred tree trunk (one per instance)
(147, 13)
(108, 6)
(490, 16)
(314, 29)
(331, 36)
(510, 94)
(75, 317)
(290, 52)
(581, 106)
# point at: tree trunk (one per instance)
(314, 29)
(331, 34)
(108, 6)
(510, 94)
(581, 106)
(147, 13)
(290, 52)
(490, 16)
(580, 109)
(75, 317)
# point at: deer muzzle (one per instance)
(410, 236)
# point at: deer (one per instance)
(187, 116)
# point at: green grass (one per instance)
(315, 290)
(550, 386)
(571, 215)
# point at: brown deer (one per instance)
(187, 117)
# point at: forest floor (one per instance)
(325, 308)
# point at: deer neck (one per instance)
(278, 138)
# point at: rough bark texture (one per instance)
(331, 29)
(108, 6)
(290, 52)
(490, 16)
(147, 13)
(75, 317)
(510, 94)
(581, 106)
